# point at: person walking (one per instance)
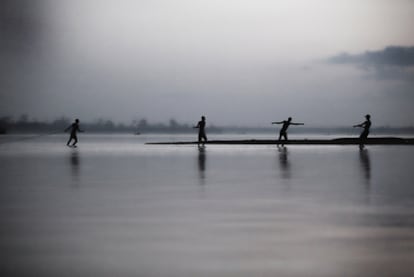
(201, 125)
(74, 129)
(366, 125)
(285, 126)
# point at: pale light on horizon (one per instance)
(239, 62)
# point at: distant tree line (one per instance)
(25, 125)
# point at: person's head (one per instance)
(77, 120)
(203, 118)
(289, 119)
(367, 116)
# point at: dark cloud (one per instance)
(22, 24)
(391, 63)
(397, 56)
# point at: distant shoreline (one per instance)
(25, 126)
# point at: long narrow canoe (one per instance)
(338, 141)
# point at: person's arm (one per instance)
(79, 130)
(297, 123)
(197, 126)
(280, 122)
(67, 129)
(359, 125)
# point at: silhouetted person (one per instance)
(285, 126)
(201, 125)
(366, 125)
(74, 129)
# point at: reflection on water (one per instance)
(74, 165)
(365, 163)
(139, 212)
(202, 163)
(284, 162)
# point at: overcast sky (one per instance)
(245, 62)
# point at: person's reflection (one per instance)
(365, 163)
(284, 162)
(74, 164)
(202, 163)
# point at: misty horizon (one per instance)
(25, 124)
(240, 63)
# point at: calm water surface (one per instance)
(116, 207)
